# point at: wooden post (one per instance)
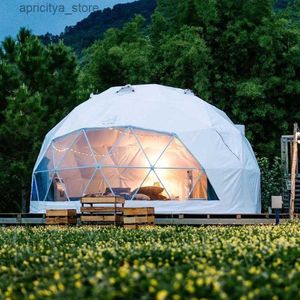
(293, 171)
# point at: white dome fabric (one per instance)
(207, 132)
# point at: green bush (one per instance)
(272, 180)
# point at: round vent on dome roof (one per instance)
(189, 92)
(126, 89)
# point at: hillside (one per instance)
(85, 32)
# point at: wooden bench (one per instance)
(103, 210)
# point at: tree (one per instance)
(20, 137)
(38, 86)
(122, 57)
(183, 61)
(254, 65)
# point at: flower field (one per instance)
(251, 262)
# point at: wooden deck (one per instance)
(178, 219)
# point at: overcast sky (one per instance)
(43, 16)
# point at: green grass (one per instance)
(251, 262)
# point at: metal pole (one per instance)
(293, 171)
(277, 211)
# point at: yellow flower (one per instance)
(77, 276)
(274, 276)
(53, 288)
(216, 286)
(247, 283)
(3, 268)
(153, 282)
(123, 271)
(162, 295)
(253, 270)
(25, 263)
(136, 275)
(190, 286)
(56, 276)
(199, 281)
(36, 283)
(176, 285)
(78, 284)
(61, 287)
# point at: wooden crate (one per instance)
(138, 217)
(101, 218)
(61, 217)
(61, 221)
(139, 220)
(94, 209)
(103, 210)
(139, 211)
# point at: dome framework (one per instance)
(129, 140)
(91, 161)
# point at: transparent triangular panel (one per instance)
(34, 191)
(126, 152)
(153, 187)
(97, 184)
(196, 182)
(125, 181)
(44, 185)
(102, 140)
(79, 154)
(203, 189)
(46, 163)
(60, 146)
(211, 193)
(153, 143)
(74, 181)
(177, 156)
(178, 182)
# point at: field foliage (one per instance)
(253, 262)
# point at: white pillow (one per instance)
(141, 197)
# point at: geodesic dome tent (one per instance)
(155, 146)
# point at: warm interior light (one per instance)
(127, 159)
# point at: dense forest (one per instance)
(85, 32)
(242, 56)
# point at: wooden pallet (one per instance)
(104, 210)
(138, 217)
(103, 200)
(101, 218)
(61, 217)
